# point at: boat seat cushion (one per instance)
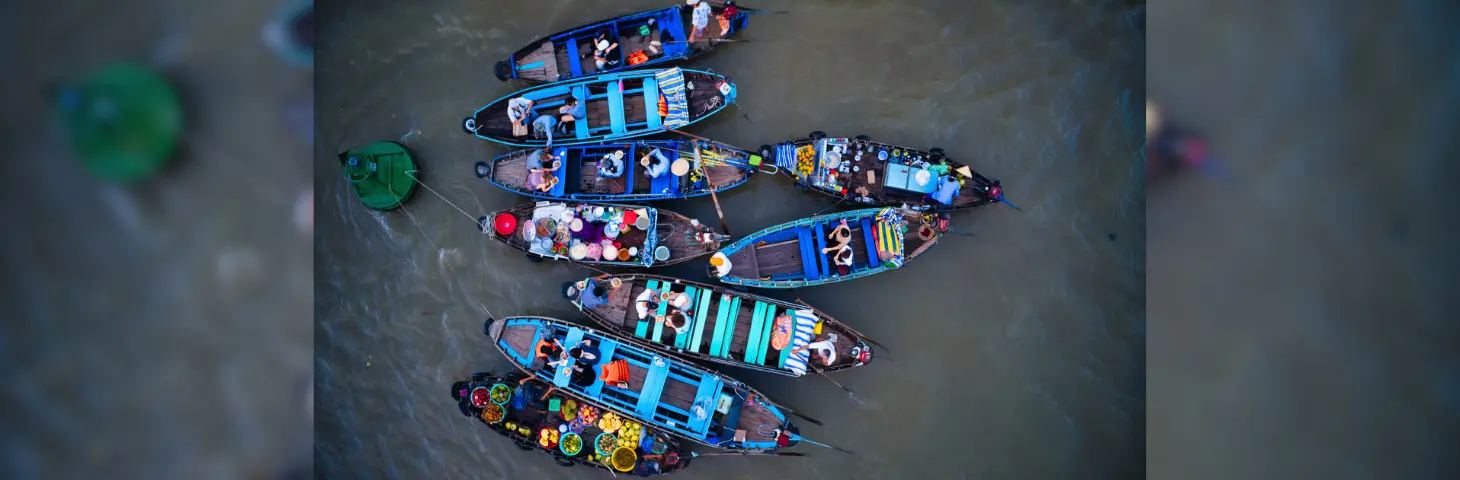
(808, 253)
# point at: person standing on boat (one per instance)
(543, 126)
(699, 20)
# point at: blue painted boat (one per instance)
(723, 325)
(861, 171)
(661, 35)
(804, 252)
(612, 106)
(671, 395)
(711, 167)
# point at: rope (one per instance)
(413, 217)
(412, 173)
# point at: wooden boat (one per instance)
(725, 326)
(865, 172)
(618, 106)
(712, 166)
(793, 254)
(673, 395)
(569, 54)
(526, 411)
(666, 238)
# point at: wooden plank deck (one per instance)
(548, 72)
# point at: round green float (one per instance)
(383, 174)
(123, 121)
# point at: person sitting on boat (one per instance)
(655, 163)
(543, 179)
(678, 301)
(947, 188)
(842, 235)
(611, 166)
(547, 349)
(616, 373)
(571, 111)
(676, 320)
(825, 349)
(602, 48)
(726, 16)
(646, 302)
(700, 19)
(520, 112)
(585, 353)
(591, 295)
(541, 158)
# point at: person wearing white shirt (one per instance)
(699, 20)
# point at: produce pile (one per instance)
(805, 160)
(610, 422)
(624, 459)
(589, 414)
(572, 443)
(501, 394)
(548, 438)
(479, 397)
(606, 443)
(569, 410)
(492, 413)
(629, 434)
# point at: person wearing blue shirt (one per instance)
(653, 168)
(611, 165)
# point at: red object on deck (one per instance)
(630, 216)
(505, 224)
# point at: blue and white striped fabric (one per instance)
(786, 156)
(805, 324)
(671, 84)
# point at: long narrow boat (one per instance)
(725, 326)
(524, 414)
(672, 395)
(547, 230)
(569, 54)
(794, 254)
(709, 166)
(862, 171)
(618, 106)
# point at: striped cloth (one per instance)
(890, 228)
(786, 156)
(671, 84)
(805, 324)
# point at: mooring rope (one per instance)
(412, 173)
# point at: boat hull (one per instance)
(568, 54)
(614, 107)
(579, 179)
(797, 254)
(662, 391)
(895, 181)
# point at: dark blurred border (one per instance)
(1303, 317)
(160, 329)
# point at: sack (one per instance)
(519, 130)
